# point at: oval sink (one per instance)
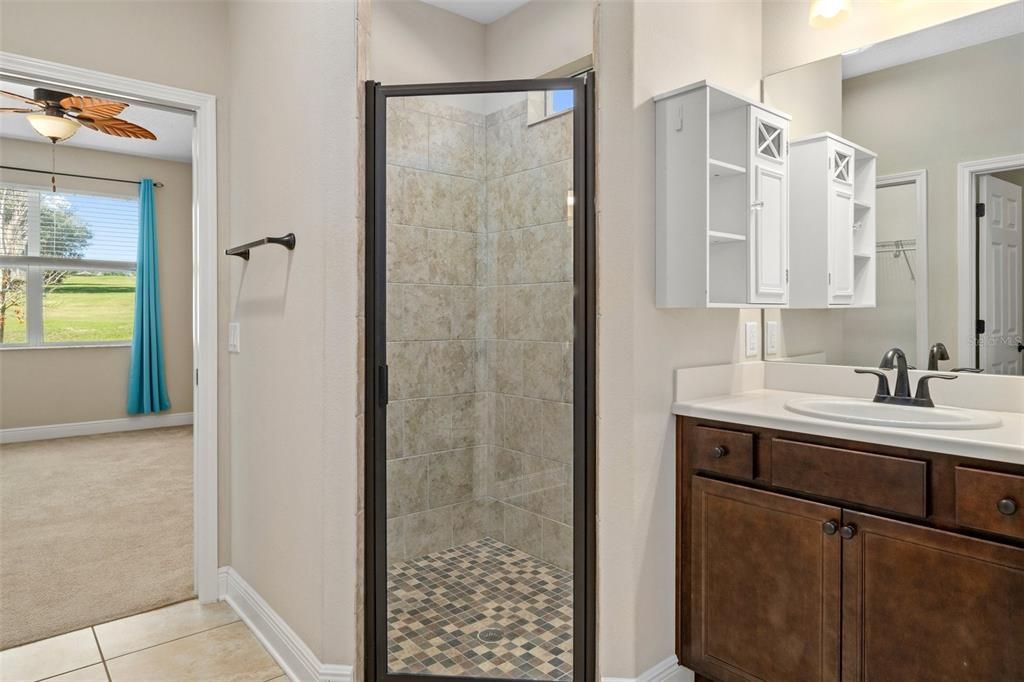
(863, 411)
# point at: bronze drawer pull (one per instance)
(830, 527)
(848, 531)
(719, 451)
(1007, 506)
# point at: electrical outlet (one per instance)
(234, 337)
(771, 337)
(753, 340)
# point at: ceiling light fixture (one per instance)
(825, 13)
(57, 128)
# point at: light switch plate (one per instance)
(753, 342)
(771, 337)
(234, 337)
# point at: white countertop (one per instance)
(766, 408)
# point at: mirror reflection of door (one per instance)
(999, 275)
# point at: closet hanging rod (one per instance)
(287, 241)
(77, 175)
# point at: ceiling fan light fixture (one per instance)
(825, 13)
(57, 128)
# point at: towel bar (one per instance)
(287, 241)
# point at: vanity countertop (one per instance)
(766, 408)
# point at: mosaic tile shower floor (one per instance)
(438, 605)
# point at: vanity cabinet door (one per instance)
(769, 209)
(765, 601)
(924, 604)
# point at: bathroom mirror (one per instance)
(943, 111)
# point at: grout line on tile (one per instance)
(193, 634)
(103, 659)
(66, 672)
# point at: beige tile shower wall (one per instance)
(480, 327)
(440, 422)
(526, 326)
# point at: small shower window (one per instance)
(543, 105)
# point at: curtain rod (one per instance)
(76, 175)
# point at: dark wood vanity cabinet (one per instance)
(811, 559)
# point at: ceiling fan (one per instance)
(58, 115)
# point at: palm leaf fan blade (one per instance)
(93, 107)
(118, 127)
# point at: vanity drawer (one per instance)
(990, 501)
(730, 453)
(878, 481)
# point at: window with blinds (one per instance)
(67, 267)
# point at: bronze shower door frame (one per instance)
(584, 369)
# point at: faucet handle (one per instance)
(923, 394)
(882, 390)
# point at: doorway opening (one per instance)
(77, 279)
(480, 419)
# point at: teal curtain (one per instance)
(147, 386)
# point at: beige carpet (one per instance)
(92, 529)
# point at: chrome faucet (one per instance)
(901, 395)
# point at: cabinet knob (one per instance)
(848, 531)
(1007, 506)
(830, 527)
(719, 451)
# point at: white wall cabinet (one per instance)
(832, 230)
(722, 200)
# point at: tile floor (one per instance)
(185, 641)
(439, 604)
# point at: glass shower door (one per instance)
(476, 567)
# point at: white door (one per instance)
(769, 210)
(840, 224)
(999, 276)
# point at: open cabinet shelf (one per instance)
(724, 169)
(716, 237)
(721, 197)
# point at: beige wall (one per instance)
(538, 38)
(168, 42)
(64, 385)
(643, 49)
(812, 94)
(295, 385)
(419, 43)
(790, 41)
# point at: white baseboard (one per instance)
(149, 421)
(287, 648)
(668, 670)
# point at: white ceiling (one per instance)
(173, 130)
(974, 29)
(480, 11)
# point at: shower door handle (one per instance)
(382, 385)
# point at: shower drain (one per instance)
(490, 635)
